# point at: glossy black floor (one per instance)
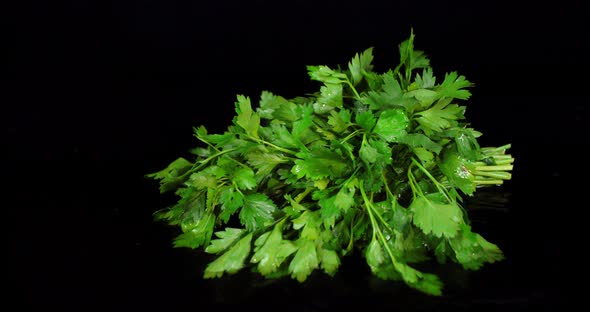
(101, 94)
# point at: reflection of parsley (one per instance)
(374, 162)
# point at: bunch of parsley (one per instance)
(376, 163)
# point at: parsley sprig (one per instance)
(376, 163)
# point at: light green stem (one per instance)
(494, 168)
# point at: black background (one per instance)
(99, 93)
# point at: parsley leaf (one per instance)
(257, 211)
(305, 260)
(226, 238)
(172, 176)
(231, 261)
(472, 250)
(433, 215)
(246, 118)
(440, 116)
(272, 250)
(459, 172)
(453, 86)
(392, 125)
(320, 162)
(196, 234)
(360, 65)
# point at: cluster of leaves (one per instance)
(372, 162)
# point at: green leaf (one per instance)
(467, 145)
(190, 207)
(368, 153)
(216, 139)
(330, 97)
(426, 80)
(334, 206)
(424, 155)
(392, 125)
(282, 137)
(329, 211)
(244, 178)
(440, 116)
(433, 215)
(329, 261)
(230, 200)
(231, 261)
(411, 58)
(345, 197)
(419, 140)
(304, 261)
(472, 250)
(246, 118)
(276, 107)
(442, 251)
(273, 106)
(319, 163)
(391, 95)
(196, 234)
(273, 251)
(360, 65)
(419, 60)
(257, 211)
(304, 121)
(174, 169)
(339, 120)
(409, 247)
(453, 86)
(171, 177)
(366, 120)
(459, 172)
(310, 223)
(425, 97)
(325, 74)
(265, 161)
(406, 49)
(429, 284)
(374, 255)
(206, 178)
(226, 238)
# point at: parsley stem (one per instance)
(495, 150)
(383, 221)
(376, 230)
(205, 161)
(368, 208)
(488, 181)
(387, 189)
(503, 156)
(351, 240)
(302, 195)
(497, 162)
(348, 137)
(413, 184)
(207, 142)
(284, 150)
(499, 175)
(494, 168)
(356, 94)
(441, 189)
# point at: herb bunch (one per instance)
(376, 163)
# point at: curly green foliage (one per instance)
(373, 162)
